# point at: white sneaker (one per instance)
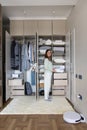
(48, 99)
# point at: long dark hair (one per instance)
(50, 58)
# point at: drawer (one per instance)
(17, 87)
(58, 87)
(60, 82)
(60, 75)
(58, 92)
(17, 92)
(15, 82)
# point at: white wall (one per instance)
(78, 20)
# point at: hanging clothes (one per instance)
(22, 55)
(25, 59)
(15, 55)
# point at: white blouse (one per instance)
(48, 65)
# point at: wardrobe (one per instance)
(34, 30)
(42, 30)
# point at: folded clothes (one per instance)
(41, 66)
(48, 42)
(41, 70)
(59, 60)
(45, 47)
(42, 51)
(41, 42)
(59, 70)
(58, 49)
(59, 66)
(58, 42)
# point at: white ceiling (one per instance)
(37, 9)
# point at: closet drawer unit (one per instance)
(58, 92)
(60, 82)
(15, 82)
(17, 92)
(60, 75)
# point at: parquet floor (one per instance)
(37, 122)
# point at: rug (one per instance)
(29, 105)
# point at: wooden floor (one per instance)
(37, 122)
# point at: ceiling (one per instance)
(37, 9)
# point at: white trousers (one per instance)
(47, 84)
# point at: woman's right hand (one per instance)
(54, 70)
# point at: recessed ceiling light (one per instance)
(24, 12)
(53, 12)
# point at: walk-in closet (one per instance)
(27, 30)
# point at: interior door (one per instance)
(7, 64)
(72, 66)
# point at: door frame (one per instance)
(72, 66)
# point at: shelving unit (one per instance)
(57, 45)
(59, 77)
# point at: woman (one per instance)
(48, 69)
